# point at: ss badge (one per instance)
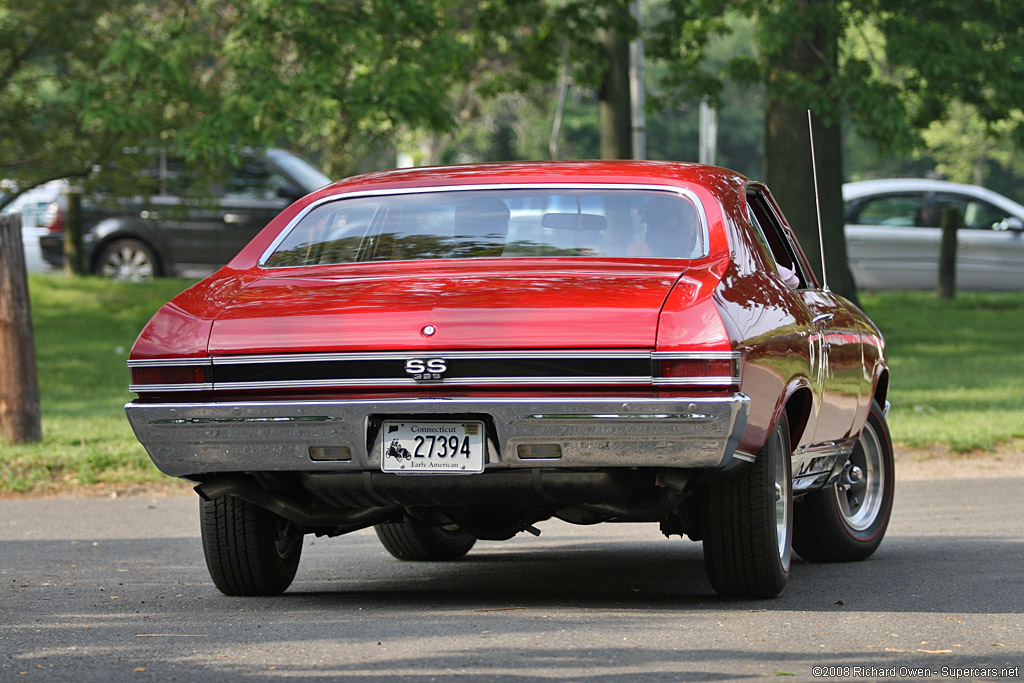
(425, 369)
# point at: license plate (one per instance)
(432, 447)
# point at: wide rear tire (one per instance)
(748, 523)
(249, 550)
(415, 541)
(846, 521)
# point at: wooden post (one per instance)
(20, 418)
(951, 222)
(73, 232)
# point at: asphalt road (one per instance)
(116, 590)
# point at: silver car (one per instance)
(33, 206)
(893, 234)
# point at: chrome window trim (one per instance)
(293, 223)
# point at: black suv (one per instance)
(166, 234)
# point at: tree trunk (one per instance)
(787, 155)
(616, 112)
(951, 222)
(20, 420)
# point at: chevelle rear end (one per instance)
(460, 353)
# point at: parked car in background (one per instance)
(459, 353)
(893, 234)
(171, 234)
(33, 206)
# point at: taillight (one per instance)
(169, 376)
(53, 218)
(710, 369)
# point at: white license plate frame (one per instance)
(432, 447)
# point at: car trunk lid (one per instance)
(404, 308)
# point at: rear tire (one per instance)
(846, 521)
(415, 541)
(748, 523)
(249, 550)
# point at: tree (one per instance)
(87, 87)
(964, 145)
(873, 64)
(82, 83)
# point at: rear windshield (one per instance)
(460, 224)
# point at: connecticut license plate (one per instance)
(432, 447)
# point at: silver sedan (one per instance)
(893, 234)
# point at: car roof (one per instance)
(864, 188)
(531, 172)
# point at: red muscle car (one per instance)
(459, 353)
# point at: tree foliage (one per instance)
(81, 83)
(888, 67)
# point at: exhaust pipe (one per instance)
(298, 512)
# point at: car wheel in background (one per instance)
(128, 260)
(748, 523)
(249, 550)
(414, 540)
(846, 522)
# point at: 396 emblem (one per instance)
(425, 368)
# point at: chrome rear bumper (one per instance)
(187, 439)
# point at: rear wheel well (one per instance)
(798, 411)
(882, 387)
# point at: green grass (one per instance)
(956, 367)
(84, 328)
(957, 377)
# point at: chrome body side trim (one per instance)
(187, 439)
(453, 355)
(819, 465)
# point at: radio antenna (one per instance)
(817, 203)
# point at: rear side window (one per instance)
(505, 223)
(772, 235)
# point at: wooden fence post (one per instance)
(73, 232)
(951, 223)
(20, 417)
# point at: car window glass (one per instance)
(253, 179)
(513, 223)
(903, 211)
(771, 234)
(975, 213)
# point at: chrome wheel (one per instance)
(846, 521)
(127, 261)
(859, 491)
(782, 506)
